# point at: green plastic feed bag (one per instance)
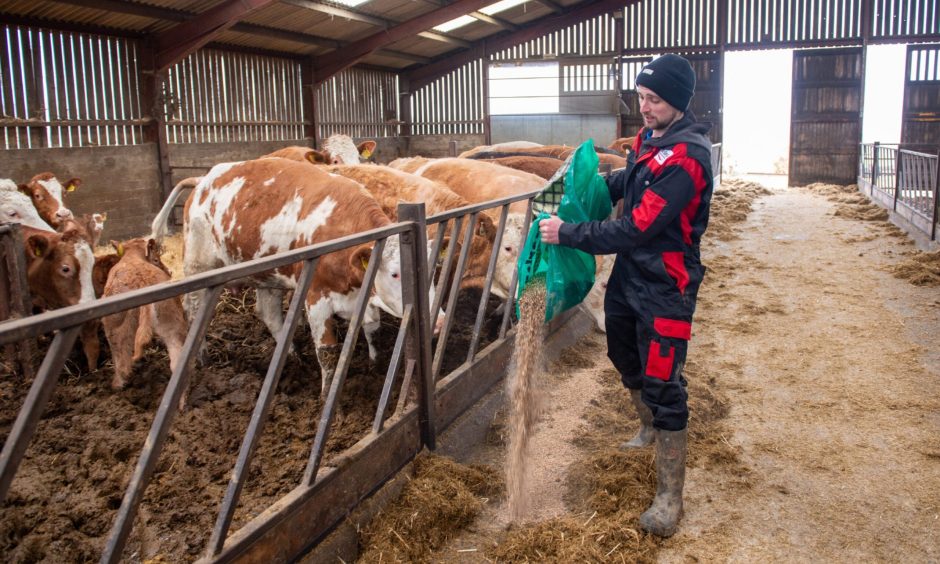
(576, 193)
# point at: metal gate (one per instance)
(328, 491)
(826, 116)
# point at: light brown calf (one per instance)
(129, 332)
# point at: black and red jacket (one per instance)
(667, 189)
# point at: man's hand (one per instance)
(548, 229)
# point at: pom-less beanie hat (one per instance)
(671, 77)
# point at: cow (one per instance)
(246, 210)
(390, 186)
(59, 270)
(16, 207)
(561, 152)
(622, 145)
(130, 331)
(46, 192)
(593, 303)
(337, 149)
(480, 181)
(94, 225)
(544, 167)
(505, 146)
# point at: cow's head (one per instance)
(59, 267)
(16, 207)
(388, 289)
(340, 149)
(513, 238)
(94, 224)
(46, 192)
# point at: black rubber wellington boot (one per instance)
(647, 434)
(662, 518)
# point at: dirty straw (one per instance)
(523, 394)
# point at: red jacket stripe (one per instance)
(649, 209)
(673, 328)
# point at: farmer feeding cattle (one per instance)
(666, 190)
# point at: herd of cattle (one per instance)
(288, 199)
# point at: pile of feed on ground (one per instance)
(608, 489)
(71, 482)
(919, 268)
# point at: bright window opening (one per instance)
(530, 88)
(350, 3)
(496, 8)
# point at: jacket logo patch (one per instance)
(663, 155)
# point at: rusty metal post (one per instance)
(414, 262)
(154, 106)
(15, 301)
(897, 178)
(936, 200)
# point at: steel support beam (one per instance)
(498, 22)
(174, 44)
(332, 63)
(493, 44)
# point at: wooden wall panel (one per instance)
(826, 125)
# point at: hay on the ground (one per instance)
(441, 499)
(922, 269)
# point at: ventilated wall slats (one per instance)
(216, 96)
(920, 128)
(905, 18)
(61, 89)
(450, 105)
(359, 103)
(588, 38)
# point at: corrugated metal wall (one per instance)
(826, 119)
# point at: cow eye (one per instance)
(13, 214)
(395, 275)
(507, 249)
(66, 269)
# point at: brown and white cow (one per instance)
(247, 210)
(480, 181)
(59, 270)
(594, 302)
(337, 149)
(46, 192)
(390, 186)
(16, 207)
(129, 332)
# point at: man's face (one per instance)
(658, 115)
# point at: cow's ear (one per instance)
(358, 262)
(100, 217)
(153, 249)
(37, 246)
(73, 184)
(24, 189)
(366, 148)
(317, 157)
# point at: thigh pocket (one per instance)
(660, 360)
(662, 353)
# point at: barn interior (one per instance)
(135, 96)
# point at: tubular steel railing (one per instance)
(906, 181)
(413, 348)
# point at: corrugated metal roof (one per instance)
(155, 16)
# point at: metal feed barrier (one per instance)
(905, 181)
(325, 495)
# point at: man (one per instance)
(666, 190)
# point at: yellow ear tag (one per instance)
(366, 153)
(120, 249)
(365, 263)
(70, 187)
(38, 252)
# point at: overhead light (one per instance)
(496, 8)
